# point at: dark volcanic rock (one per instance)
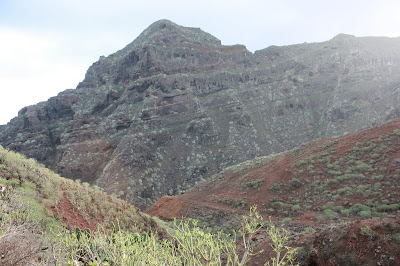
(175, 107)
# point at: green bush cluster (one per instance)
(330, 213)
(255, 184)
(296, 207)
(300, 164)
(295, 183)
(239, 203)
(275, 188)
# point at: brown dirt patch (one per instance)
(71, 217)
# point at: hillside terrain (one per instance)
(49, 220)
(175, 107)
(339, 197)
(39, 211)
(49, 196)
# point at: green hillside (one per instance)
(49, 220)
(43, 214)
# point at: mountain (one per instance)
(339, 197)
(175, 107)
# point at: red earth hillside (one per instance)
(329, 185)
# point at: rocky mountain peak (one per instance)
(343, 36)
(163, 48)
(165, 32)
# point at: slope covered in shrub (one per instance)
(48, 220)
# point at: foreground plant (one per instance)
(189, 244)
(284, 255)
(196, 246)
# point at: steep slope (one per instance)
(339, 197)
(175, 107)
(29, 188)
(49, 220)
(358, 168)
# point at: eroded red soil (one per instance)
(213, 201)
(71, 217)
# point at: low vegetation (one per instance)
(34, 227)
(255, 184)
(361, 181)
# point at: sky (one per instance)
(46, 46)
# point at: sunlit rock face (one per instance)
(175, 106)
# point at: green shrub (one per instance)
(225, 201)
(364, 213)
(375, 156)
(296, 207)
(332, 172)
(328, 205)
(275, 188)
(277, 205)
(300, 164)
(361, 166)
(344, 190)
(255, 184)
(13, 182)
(286, 220)
(336, 197)
(367, 231)
(330, 213)
(239, 203)
(331, 181)
(338, 208)
(387, 208)
(295, 183)
(345, 212)
(356, 208)
(309, 230)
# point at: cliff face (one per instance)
(175, 107)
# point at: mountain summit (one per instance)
(163, 48)
(165, 31)
(175, 107)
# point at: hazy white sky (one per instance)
(46, 46)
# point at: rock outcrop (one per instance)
(175, 107)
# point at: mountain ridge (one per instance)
(155, 120)
(162, 33)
